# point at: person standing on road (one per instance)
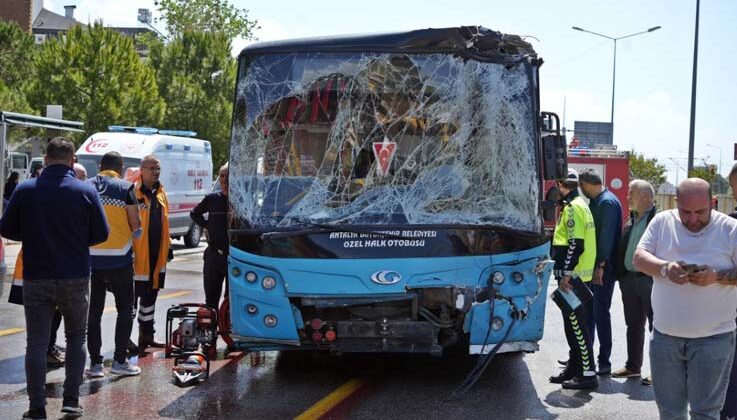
(152, 249)
(215, 269)
(57, 217)
(635, 285)
(691, 253)
(112, 266)
(607, 212)
(730, 402)
(574, 251)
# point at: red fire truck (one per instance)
(610, 163)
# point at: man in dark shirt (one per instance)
(57, 217)
(215, 270)
(607, 212)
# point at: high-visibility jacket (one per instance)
(115, 194)
(577, 223)
(141, 264)
(16, 289)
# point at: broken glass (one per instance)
(385, 138)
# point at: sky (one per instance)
(653, 74)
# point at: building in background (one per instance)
(44, 24)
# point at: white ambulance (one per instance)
(186, 167)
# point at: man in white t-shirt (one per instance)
(691, 253)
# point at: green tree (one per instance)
(98, 77)
(707, 173)
(205, 16)
(646, 169)
(16, 55)
(16, 72)
(196, 77)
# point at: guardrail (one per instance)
(725, 203)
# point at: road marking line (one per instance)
(106, 310)
(11, 331)
(175, 294)
(166, 296)
(330, 401)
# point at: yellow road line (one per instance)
(166, 296)
(11, 331)
(330, 401)
(175, 294)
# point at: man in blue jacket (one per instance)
(607, 212)
(57, 217)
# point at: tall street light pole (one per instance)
(693, 91)
(614, 62)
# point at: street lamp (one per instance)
(614, 62)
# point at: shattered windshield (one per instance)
(382, 139)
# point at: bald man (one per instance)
(691, 254)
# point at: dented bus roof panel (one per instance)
(475, 42)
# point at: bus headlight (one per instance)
(268, 283)
(270, 321)
(497, 277)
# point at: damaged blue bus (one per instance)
(386, 194)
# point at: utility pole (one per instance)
(693, 92)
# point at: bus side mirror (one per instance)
(550, 203)
(555, 158)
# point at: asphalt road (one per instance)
(287, 385)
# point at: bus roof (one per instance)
(474, 42)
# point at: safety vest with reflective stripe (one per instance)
(141, 264)
(576, 222)
(116, 251)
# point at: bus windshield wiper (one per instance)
(328, 228)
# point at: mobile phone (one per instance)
(693, 268)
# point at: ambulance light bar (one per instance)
(151, 130)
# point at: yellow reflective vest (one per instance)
(576, 222)
(141, 265)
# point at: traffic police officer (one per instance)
(574, 252)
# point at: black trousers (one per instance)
(145, 303)
(55, 324)
(636, 289)
(120, 283)
(580, 344)
(215, 271)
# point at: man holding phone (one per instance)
(574, 252)
(691, 253)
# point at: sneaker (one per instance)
(35, 414)
(582, 382)
(95, 371)
(72, 410)
(647, 381)
(626, 373)
(125, 369)
(54, 359)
